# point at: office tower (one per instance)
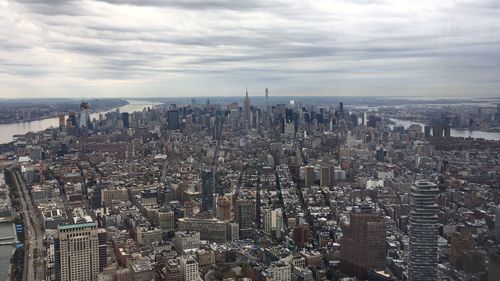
(85, 115)
(497, 224)
(423, 232)
(362, 246)
(173, 120)
(301, 235)
(447, 131)
(243, 215)
(103, 255)
(364, 119)
(427, 131)
(246, 111)
(207, 190)
(324, 176)
(282, 272)
(267, 103)
(380, 154)
(341, 108)
(460, 244)
(273, 223)
(172, 270)
(62, 120)
(71, 119)
(223, 209)
(189, 269)
(310, 176)
(125, 120)
(77, 252)
(258, 200)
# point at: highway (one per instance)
(33, 231)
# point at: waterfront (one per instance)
(454, 132)
(10, 130)
(6, 230)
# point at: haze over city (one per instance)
(219, 48)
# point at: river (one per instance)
(9, 130)
(454, 132)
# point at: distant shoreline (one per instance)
(105, 108)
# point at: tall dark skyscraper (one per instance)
(362, 247)
(125, 120)
(173, 120)
(207, 190)
(423, 232)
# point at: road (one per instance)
(33, 230)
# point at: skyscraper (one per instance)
(273, 223)
(173, 120)
(423, 232)
(207, 190)
(497, 224)
(62, 120)
(77, 252)
(84, 115)
(243, 216)
(310, 176)
(362, 246)
(246, 111)
(125, 120)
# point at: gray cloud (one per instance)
(158, 47)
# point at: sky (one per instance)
(170, 48)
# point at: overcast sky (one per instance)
(129, 48)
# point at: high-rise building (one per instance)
(497, 224)
(189, 269)
(62, 120)
(301, 235)
(103, 255)
(362, 246)
(273, 223)
(125, 120)
(324, 176)
(85, 115)
(427, 131)
(310, 176)
(173, 120)
(423, 232)
(243, 215)
(77, 252)
(223, 209)
(207, 190)
(246, 111)
(71, 119)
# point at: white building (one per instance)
(273, 222)
(189, 269)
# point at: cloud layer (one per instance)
(129, 48)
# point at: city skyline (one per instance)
(217, 48)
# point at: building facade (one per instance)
(423, 232)
(77, 252)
